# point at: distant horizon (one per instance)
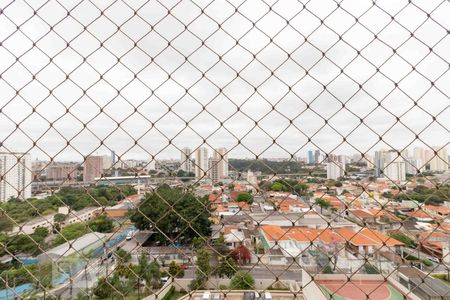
(167, 157)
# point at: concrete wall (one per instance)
(310, 289)
(215, 283)
(161, 293)
(402, 288)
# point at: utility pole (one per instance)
(71, 288)
(85, 275)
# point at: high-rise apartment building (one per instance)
(396, 169)
(93, 167)
(335, 169)
(213, 171)
(388, 164)
(378, 163)
(186, 163)
(419, 156)
(439, 161)
(201, 163)
(221, 155)
(412, 165)
(62, 171)
(335, 166)
(317, 157)
(427, 159)
(107, 162)
(15, 175)
(310, 157)
(218, 164)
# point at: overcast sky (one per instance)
(288, 65)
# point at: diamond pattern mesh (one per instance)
(224, 149)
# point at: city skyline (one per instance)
(176, 153)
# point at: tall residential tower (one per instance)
(15, 175)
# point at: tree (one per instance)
(404, 239)
(155, 273)
(338, 184)
(124, 256)
(175, 270)
(203, 269)
(70, 232)
(5, 224)
(277, 187)
(331, 250)
(59, 218)
(231, 186)
(323, 203)
(242, 281)
(198, 242)
(101, 224)
(41, 232)
(227, 267)
(220, 246)
(174, 214)
(245, 197)
(241, 254)
(301, 188)
(103, 289)
(150, 272)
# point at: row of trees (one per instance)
(19, 211)
(266, 166)
(128, 278)
(422, 194)
(35, 243)
(285, 185)
(32, 244)
(227, 264)
(101, 224)
(14, 274)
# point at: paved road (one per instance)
(85, 279)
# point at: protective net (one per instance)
(228, 149)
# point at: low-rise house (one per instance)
(365, 241)
(119, 210)
(84, 215)
(234, 236)
(281, 195)
(41, 221)
(288, 205)
(375, 218)
(274, 257)
(437, 210)
(421, 216)
(360, 216)
(434, 242)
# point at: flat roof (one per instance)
(123, 177)
(431, 286)
(76, 245)
(40, 219)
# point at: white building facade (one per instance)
(186, 163)
(201, 163)
(15, 172)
